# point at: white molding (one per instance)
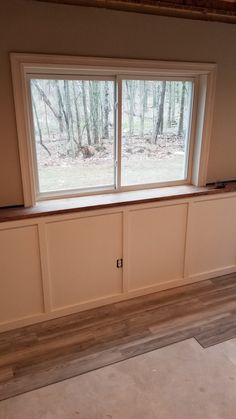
(203, 128)
(45, 272)
(212, 273)
(77, 308)
(23, 132)
(187, 236)
(125, 255)
(24, 64)
(60, 64)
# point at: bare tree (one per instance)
(94, 99)
(106, 110)
(39, 127)
(64, 112)
(159, 123)
(70, 127)
(181, 114)
(173, 103)
(86, 116)
(46, 99)
(60, 108)
(143, 105)
(61, 103)
(155, 103)
(131, 88)
(78, 124)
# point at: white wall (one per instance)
(27, 26)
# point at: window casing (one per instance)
(125, 161)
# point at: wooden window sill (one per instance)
(86, 203)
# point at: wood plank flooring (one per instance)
(42, 354)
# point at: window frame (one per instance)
(41, 196)
(188, 157)
(203, 76)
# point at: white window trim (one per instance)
(204, 75)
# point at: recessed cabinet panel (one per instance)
(83, 257)
(156, 245)
(21, 292)
(212, 235)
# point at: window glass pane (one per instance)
(155, 130)
(74, 133)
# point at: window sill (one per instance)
(95, 202)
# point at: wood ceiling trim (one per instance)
(214, 10)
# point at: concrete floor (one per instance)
(181, 381)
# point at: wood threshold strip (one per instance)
(111, 200)
(38, 355)
(214, 10)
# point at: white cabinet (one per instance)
(82, 255)
(156, 245)
(57, 265)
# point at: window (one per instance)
(73, 134)
(156, 121)
(93, 125)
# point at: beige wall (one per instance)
(27, 26)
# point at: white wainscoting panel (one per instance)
(156, 245)
(82, 256)
(55, 265)
(21, 292)
(212, 236)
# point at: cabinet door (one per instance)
(21, 293)
(156, 245)
(82, 259)
(212, 236)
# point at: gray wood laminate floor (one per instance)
(42, 354)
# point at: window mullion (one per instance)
(118, 130)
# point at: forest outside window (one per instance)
(75, 137)
(156, 120)
(98, 128)
(74, 134)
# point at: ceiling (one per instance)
(215, 10)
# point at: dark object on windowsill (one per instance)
(222, 184)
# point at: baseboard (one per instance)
(26, 321)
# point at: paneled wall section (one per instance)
(61, 264)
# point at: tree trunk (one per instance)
(77, 116)
(155, 103)
(181, 114)
(93, 98)
(86, 117)
(143, 105)
(130, 87)
(47, 101)
(106, 111)
(173, 104)
(46, 120)
(160, 118)
(61, 104)
(39, 128)
(70, 128)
